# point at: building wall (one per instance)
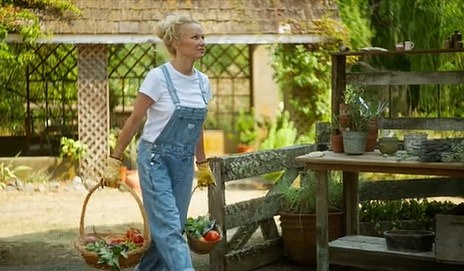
(266, 91)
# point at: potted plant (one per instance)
(298, 219)
(356, 133)
(247, 131)
(374, 110)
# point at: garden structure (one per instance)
(112, 44)
(350, 251)
(435, 179)
(105, 25)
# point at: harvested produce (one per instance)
(212, 235)
(203, 228)
(203, 234)
(111, 247)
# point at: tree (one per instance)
(23, 17)
(428, 24)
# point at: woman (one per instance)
(174, 98)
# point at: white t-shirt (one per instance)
(155, 86)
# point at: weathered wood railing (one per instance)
(235, 253)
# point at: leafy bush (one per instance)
(421, 211)
(73, 149)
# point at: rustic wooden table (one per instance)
(351, 165)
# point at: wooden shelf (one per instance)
(371, 253)
(394, 52)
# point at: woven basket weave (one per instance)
(201, 247)
(134, 255)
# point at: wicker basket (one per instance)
(91, 257)
(201, 246)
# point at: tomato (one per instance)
(212, 235)
(131, 233)
(134, 235)
(138, 239)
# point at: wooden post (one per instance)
(216, 208)
(351, 199)
(322, 209)
(338, 81)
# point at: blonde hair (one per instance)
(168, 29)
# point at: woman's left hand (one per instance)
(205, 176)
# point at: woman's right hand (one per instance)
(111, 175)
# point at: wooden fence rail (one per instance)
(235, 253)
(246, 217)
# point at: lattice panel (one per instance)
(93, 108)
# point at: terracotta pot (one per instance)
(241, 148)
(372, 135)
(132, 180)
(336, 143)
(344, 116)
(299, 235)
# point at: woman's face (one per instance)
(191, 41)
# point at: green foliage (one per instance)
(422, 211)
(363, 108)
(413, 20)
(40, 176)
(303, 72)
(281, 133)
(354, 15)
(110, 254)
(247, 127)
(302, 198)
(303, 76)
(24, 17)
(9, 172)
(199, 226)
(73, 149)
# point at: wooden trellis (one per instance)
(93, 113)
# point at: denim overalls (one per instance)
(166, 175)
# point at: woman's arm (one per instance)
(200, 149)
(132, 124)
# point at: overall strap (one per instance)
(171, 89)
(202, 87)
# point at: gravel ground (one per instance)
(38, 228)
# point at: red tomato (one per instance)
(212, 235)
(134, 235)
(138, 239)
(131, 233)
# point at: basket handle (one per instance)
(146, 229)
